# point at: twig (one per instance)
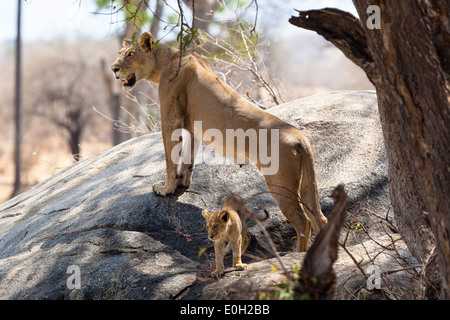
(391, 289)
(357, 264)
(246, 61)
(271, 244)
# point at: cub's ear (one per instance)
(206, 214)
(146, 42)
(224, 215)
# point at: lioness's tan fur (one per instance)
(193, 92)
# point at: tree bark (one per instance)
(204, 12)
(408, 62)
(157, 16)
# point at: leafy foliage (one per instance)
(287, 290)
(133, 10)
(238, 4)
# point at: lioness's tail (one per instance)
(312, 206)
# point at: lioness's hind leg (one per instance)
(286, 198)
(312, 210)
(302, 224)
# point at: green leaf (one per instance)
(201, 251)
(155, 45)
(133, 39)
(102, 4)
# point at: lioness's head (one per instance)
(135, 62)
(216, 223)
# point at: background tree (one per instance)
(18, 106)
(157, 14)
(408, 61)
(66, 99)
(203, 12)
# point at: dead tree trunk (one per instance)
(408, 61)
(317, 278)
(74, 141)
(113, 102)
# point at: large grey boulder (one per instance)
(101, 215)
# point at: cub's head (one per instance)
(135, 62)
(216, 223)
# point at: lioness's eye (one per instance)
(131, 54)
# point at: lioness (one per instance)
(228, 225)
(190, 92)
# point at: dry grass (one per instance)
(42, 161)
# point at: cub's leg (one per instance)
(246, 238)
(219, 248)
(237, 247)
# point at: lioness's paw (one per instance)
(161, 189)
(241, 266)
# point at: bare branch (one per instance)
(317, 278)
(343, 30)
(249, 60)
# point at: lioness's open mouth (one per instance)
(130, 81)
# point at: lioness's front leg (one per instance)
(164, 188)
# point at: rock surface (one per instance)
(101, 215)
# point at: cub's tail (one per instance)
(253, 217)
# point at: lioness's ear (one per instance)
(146, 42)
(224, 216)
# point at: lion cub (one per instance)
(228, 225)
